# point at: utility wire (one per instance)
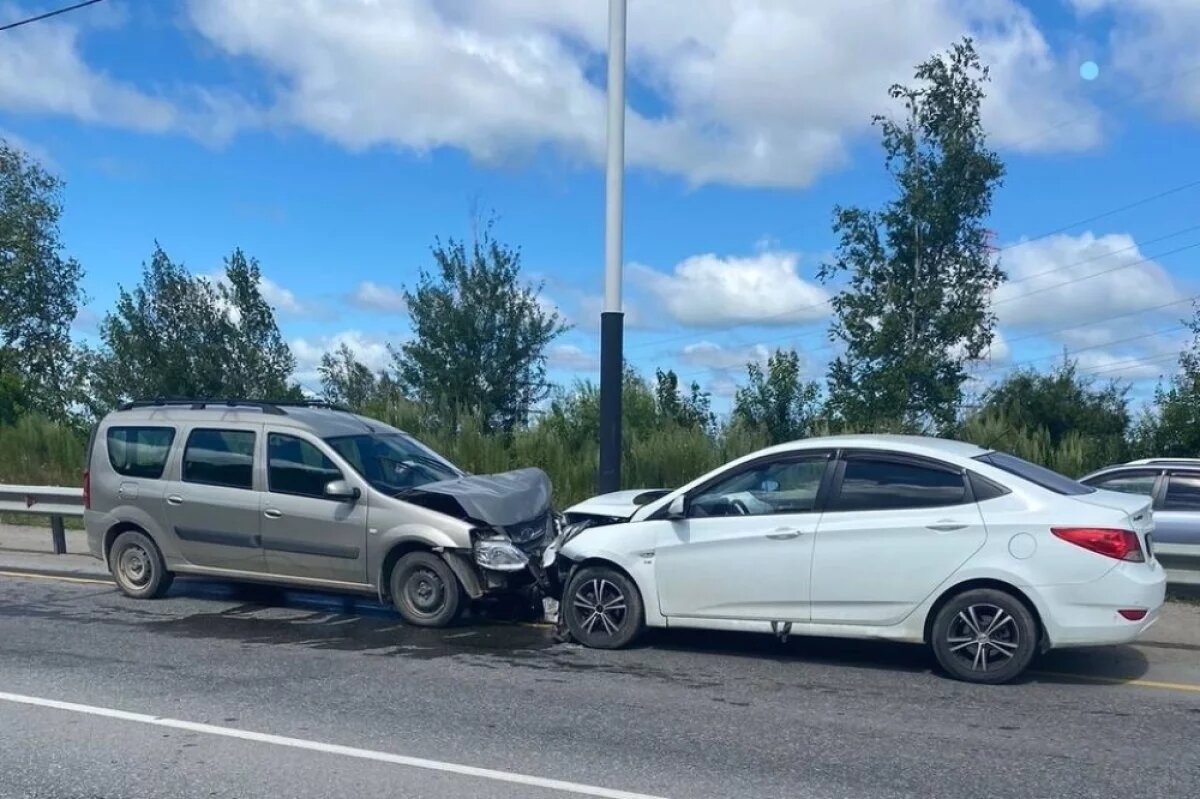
(47, 15)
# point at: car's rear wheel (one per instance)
(137, 566)
(603, 608)
(425, 590)
(984, 636)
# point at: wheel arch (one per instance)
(125, 526)
(984, 582)
(458, 564)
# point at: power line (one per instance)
(1070, 352)
(47, 15)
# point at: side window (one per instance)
(871, 483)
(1183, 493)
(1127, 482)
(139, 451)
(295, 466)
(783, 486)
(985, 489)
(220, 458)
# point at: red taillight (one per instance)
(87, 490)
(1133, 614)
(1119, 544)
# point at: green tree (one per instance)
(778, 402)
(346, 380)
(178, 335)
(1171, 428)
(479, 335)
(39, 288)
(915, 310)
(1064, 404)
(692, 411)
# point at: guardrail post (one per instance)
(58, 535)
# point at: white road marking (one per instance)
(333, 749)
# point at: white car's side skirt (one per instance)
(911, 630)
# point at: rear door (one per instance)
(895, 528)
(305, 533)
(1177, 518)
(213, 502)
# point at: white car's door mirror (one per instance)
(677, 509)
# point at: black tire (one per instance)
(425, 590)
(984, 636)
(621, 618)
(137, 566)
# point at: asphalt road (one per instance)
(306, 695)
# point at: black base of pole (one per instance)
(612, 327)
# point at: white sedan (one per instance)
(987, 558)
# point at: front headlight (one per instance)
(499, 554)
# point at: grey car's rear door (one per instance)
(1177, 520)
(213, 503)
(304, 533)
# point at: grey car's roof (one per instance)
(322, 422)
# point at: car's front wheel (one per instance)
(425, 590)
(984, 636)
(603, 608)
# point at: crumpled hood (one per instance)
(498, 499)
(617, 504)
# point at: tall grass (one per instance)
(41, 452)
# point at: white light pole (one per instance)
(611, 317)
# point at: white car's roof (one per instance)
(916, 445)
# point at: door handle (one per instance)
(272, 513)
(784, 533)
(945, 527)
(174, 499)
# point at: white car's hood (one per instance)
(618, 504)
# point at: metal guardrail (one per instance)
(1182, 561)
(57, 502)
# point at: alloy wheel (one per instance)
(984, 637)
(601, 606)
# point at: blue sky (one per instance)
(334, 140)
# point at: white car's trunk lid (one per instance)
(1136, 508)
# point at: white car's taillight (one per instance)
(1112, 543)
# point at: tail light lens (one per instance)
(87, 490)
(1118, 544)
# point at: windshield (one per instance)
(393, 462)
(1038, 475)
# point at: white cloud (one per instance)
(742, 88)
(370, 350)
(713, 291)
(1067, 280)
(1125, 366)
(722, 387)
(1154, 41)
(569, 357)
(636, 316)
(708, 355)
(280, 299)
(376, 297)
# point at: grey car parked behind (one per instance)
(1174, 485)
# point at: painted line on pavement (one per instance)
(332, 749)
(60, 577)
(1169, 686)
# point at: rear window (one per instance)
(1038, 475)
(139, 451)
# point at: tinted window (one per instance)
(220, 458)
(139, 451)
(984, 489)
(782, 486)
(294, 466)
(881, 484)
(1127, 482)
(1038, 475)
(1183, 493)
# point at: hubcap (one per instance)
(425, 591)
(134, 566)
(984, 636)
(601, 607)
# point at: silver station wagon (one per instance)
(306, 494)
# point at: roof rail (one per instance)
(1150, 461)
(272, 407)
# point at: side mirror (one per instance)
(677, 509)
(342, 491)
